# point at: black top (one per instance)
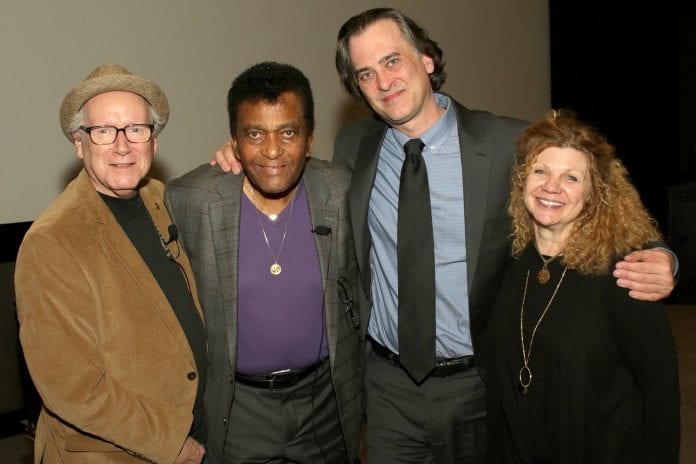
(605, 385)
(136, 222)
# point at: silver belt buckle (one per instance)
(273, 377)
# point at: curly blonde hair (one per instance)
(613, 221)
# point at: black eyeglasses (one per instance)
(105, 135)
(346, 296)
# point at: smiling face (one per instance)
(115, 169)
(394, 78)
(272, 143)
(556, 190)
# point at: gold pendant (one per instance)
(543, 276)
(276, 269)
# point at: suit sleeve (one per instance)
(338, 153)
(663, 246)
(59, 312)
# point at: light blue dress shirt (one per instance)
(443, 162)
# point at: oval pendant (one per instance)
(525, 377)
(276, 269)
(543, 276)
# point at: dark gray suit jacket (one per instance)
(205, 205)
(487, 145)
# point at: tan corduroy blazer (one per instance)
(105, 350)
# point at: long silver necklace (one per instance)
(525, 374)
(275, 268)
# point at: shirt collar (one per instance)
(434, 137)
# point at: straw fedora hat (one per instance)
(109, 78)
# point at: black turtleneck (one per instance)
(138, 225)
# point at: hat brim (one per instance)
(89, 88)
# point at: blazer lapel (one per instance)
(476, 165)
(224, 216)
(363, 179)
(318, 195)
(128, 259)
(224, 223)
(160, 216)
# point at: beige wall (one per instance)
(497, 54)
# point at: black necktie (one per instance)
(416, 266)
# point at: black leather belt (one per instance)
(444, 367)
(279, 379)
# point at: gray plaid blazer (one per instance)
(205, 205)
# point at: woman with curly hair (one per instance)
(577, 371)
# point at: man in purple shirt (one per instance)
(273, 254)
(389, 62)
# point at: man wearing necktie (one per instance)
(429, 264)
(425, 394)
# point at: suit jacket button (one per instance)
(191, 376)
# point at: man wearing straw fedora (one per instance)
(109, 318)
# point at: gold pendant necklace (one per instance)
(544, 274)
(275, 268)
(525, 374)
